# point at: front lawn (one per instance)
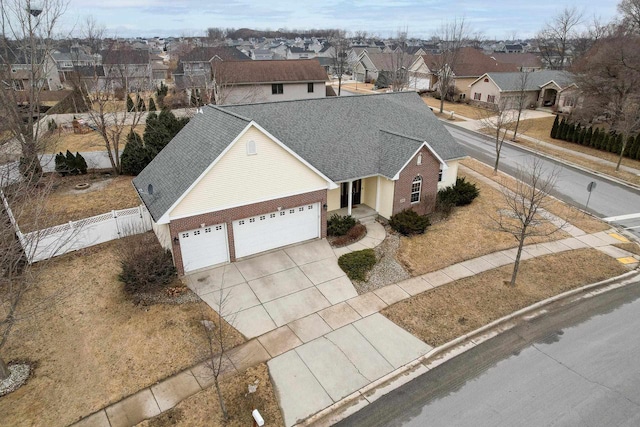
(450, 311)
(460, 108)
(95, 346)
(80, 142)
(467, 233)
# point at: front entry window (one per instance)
(416, 186)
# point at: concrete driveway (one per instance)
(265, 292)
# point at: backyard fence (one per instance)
(74, 235)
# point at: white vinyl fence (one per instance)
(61, 239)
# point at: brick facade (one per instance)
(227, 216)
(429, 170)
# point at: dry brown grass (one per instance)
(64, 203)
(629, 247)
(91, 141)
(541, 129)
(450, 311)
(462, 109)
(363, 88)
(96, 347)
(576, 217)
(468, 233)
(203, 408)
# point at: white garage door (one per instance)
(273, 230)
(419, 83)
(204, 247)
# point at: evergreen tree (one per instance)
(140, 104)
(576, 134)
(570, 131)
(152, 105)
(81, 164)
(598, 142)
(587, 137)
(130, 105)
(606, 142)
(61, 164)
(134, 157)
(582, 136)
(562, 131)
(71, 163)
(636, 150)
(627, 149)
(555, 127)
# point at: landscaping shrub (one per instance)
(354, 234)
(146, 266)
(356, 264)
(339, 225)
(134, 157)
(408, 222)
(460, 194)
(81, 164)
(61, 164)
(467, 191)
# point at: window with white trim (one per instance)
(419, 159)
(277, 89)
(491, 99)
(251, 148)
(440, 175)
(477, 96)
(416, 186)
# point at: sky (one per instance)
(498, 19)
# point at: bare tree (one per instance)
(519, 100)
(215, 35)
(93, 33)
(340, 42)
(630, 10)
(121, 74)
(399, 67)
(498, 119)
(26, 70)
(554, 39)
(23, 205)
(609, 80)
(523, 217)
(453, 35)
(219, 338)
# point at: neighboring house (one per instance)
(541, 88)
(524, 61)
(370, 65)
(420, 76)
(263, 54)
(127, 69)
(194, 68)
(67, 62)
(470, 64)
(240, 180)
(300, 53)
(20, 70)
(239, 82)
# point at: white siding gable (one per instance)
(239, 178)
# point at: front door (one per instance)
(344, 193)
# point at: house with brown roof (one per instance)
(194, 68)
(526, 62)
(242, 82)
(470, 64)
(127, 68)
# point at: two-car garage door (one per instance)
(208, 246)
(273, 230)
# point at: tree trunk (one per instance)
(4, 370)
(516, 265)
(624, 147)
(495, 166)
(441, 102)
(339, 85)
(223, 407)
(515, 131)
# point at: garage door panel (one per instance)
(204, 247)
(276, 229)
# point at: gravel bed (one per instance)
(19, 375)
(387, 270)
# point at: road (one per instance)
(608, 199)
(577, 365)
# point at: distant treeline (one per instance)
(597, 138)
(247, 33)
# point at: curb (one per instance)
(437, 356)
(555, 159)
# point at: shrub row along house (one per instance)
(243, 179)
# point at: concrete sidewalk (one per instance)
(333, 352)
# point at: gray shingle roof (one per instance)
(535, 80)
(343, 137)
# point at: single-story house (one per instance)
(238, 180)
(542, 88)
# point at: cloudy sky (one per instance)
(495, 18)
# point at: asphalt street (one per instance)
(608, 199)
(577, 365)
